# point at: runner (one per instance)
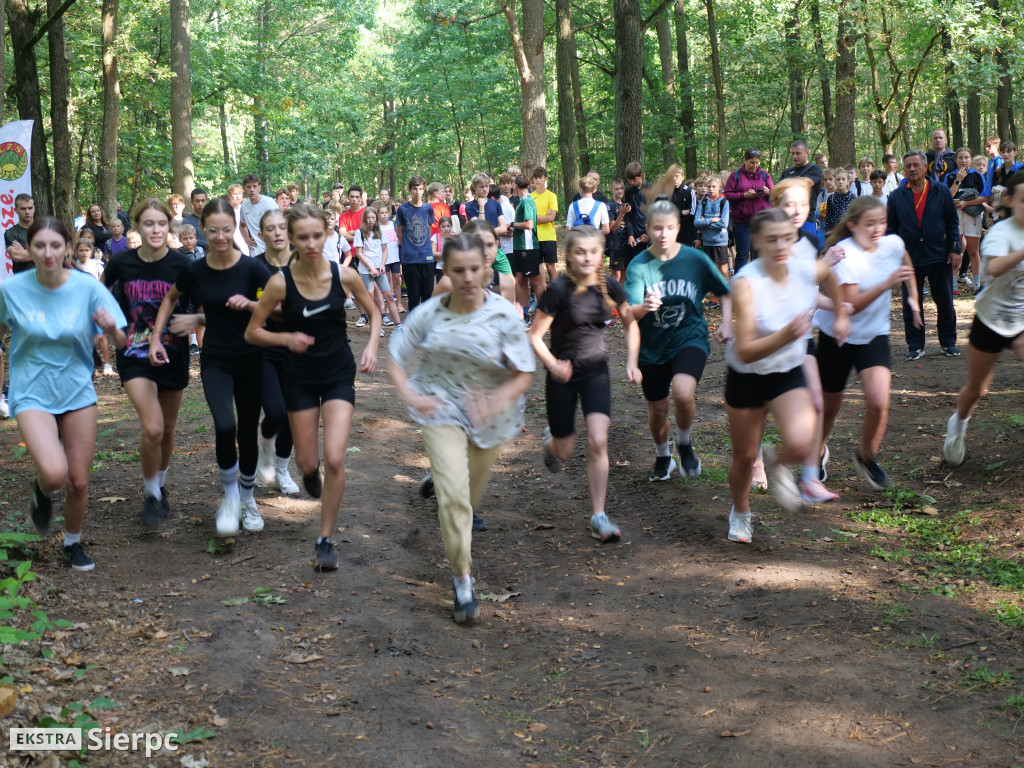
(319, 370)
(576, 307)
(140, 279)
(225, 286)
(775, 295)
(52, 395)
(666, 284)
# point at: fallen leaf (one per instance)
(932, 511)
(543, 527)
(220, 722)
(8, 699)
(112, 499)
(734, 734)
(499, 598)
(160, 635)
(536, 727)
(179, 671)
(300, 658)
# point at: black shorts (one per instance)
(984, 339)
(718, 254)
(754, 390)
(811, 350)
(658, 378)
(301, 397)
(619, 259)
(835, 362)
(171, 377)
(394, 267)
(592, 387)
(526, 263)
(548, 251)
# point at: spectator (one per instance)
(893, 177)
(801, 168)
(598, 194)
(747, 190)
(16, 236)
(941, 159)
(198, 198)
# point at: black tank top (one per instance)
(324, 320)
(272, 353)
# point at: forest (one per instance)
(140, 97)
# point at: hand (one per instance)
(633, 375)
(960, 204)
(104, 320)
(299, 343)
(561, 371)
(483, 409)
(425, 405)
(716, 219)
(800, 325)
(751, 193)
(374, 271)
(841, 329)
(765, 191)
(183, 325)
(916, 315)
(901, 274)
(724, 331)
(368, 361)
(954, 260)
(652, 302)
(961, 174)
(631, 241)
(834, 255)
(16, 251)
(157, 353)
(644, 239)
(626, 208)
(240, 303)
(847, 307)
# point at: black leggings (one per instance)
(419, 282)
(275, 417)
(240, 380)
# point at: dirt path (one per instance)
(859, 633)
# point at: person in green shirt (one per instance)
(525, 259)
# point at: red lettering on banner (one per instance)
(7, 198)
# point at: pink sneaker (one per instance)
(813, 492)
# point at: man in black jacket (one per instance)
(803, 168)
(923, 214)
(941, 159)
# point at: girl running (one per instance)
(140, 279)
(275, 433)
(774, 298)
(999, 314)
(319, 370)
(666, 285)
(874, 264)
(467, 395)
(576, 307)
(53, 314)
(372, 253)
(225, 285)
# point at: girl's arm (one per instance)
(632, 343)
(425, 405)
(911, 282)
(827, 279)
(1000, 265)
(255, 333)
(157, 353)
(351, 281)
(359, 255)
(747, 346)
(725, 330)
(106, 321)
(560, 370)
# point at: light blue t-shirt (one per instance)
(51, 340)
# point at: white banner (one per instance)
(15, 177)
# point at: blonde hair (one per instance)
(784, 186)
(573, 237)
(235, 188)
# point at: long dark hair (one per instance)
(54, 225)
(217, 205)
(1003, 211)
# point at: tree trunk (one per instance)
(528, 49)
(60, 95)
(823, 78)
(3, 58)
(182, 170)
(107, 172)
(973, 123)
(259, 103)
(26, 78)
(956, 122)
(794, 45)
(577, 103)
(843, 143)
(667, 123)
(629, 132)
(716, 69)
(78, 172)
(568, 149)
(685, 89)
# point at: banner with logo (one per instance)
(15, 177)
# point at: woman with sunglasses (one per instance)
(748, 190)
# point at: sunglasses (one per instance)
(752, 153)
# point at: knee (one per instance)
(597, 445)
(53, 477)
(877, 404)
(77, 486)
(744, 457)
(153, 431)
(334, 462)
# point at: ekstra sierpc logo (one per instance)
(93, 740)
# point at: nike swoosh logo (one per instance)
(318, 310)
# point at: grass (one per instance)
(983, 677)
(1016, 704)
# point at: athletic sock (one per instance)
(810, 471)
(72, 538)
(246, 483)
(281, 463)
(682, 436)
(162, 474)
(229, 480)
(152, 486)
(961, 425)
(661, 449)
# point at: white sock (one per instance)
(193, 340)
(463, 587)
(152, 486)
(961, 424)
(810, 471)
(682, 436)
(72, 538)
(162, 474)
(281, 464)
(246, 485)
(229, 480)
(661, 449)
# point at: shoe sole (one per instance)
(82, 568)
(690, 472)
(469, 616)
(289, 492)
(950, 458)
(612, 537)
(321, 566)
(863, 470)
(667, 476)
(738, 540)
(252, 529)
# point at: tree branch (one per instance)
(48, 23)
(662, 7)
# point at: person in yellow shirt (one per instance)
(547, 210)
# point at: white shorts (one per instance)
(970, 226)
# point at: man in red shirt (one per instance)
(351, 219)
(435, 194)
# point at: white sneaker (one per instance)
(953, 448)
(284, 483)
(265, 462)
(251, 519)
(108, 369)
(740, 527)
(5, 408)
(350, 304)
(782, 483)
(228, 515)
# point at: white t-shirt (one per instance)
(892, 182)
(863, 188)
(1000, 305)
(865, 270)
(775, 307)
(252, 213)
(335, 247)
(92, 267)
(505, 243)
(372, 251)
(595, 209)
(389, 236)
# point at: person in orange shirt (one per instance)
(435, 195)
(351, 219)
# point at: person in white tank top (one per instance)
(775, 297)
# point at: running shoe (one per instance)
(663, 468)
(193, 349)
(314, 483)
(956, 291)
(77, 558)
(40, 508)
(876, 476)
(350, 304)
(604, 529)
(427, 485)
(965, 279)
(466, 608)
(165, 504)
(925, 291)
(387, 321)
(689, 464)
(782, 482)
(914, 354)
(152, 512)
(284, 483)
(251, 519)
(552, 462)
(5, 408)
(108, 369)
(740, 527)
(951, 351)
(953, 448)
(326, 557)
(479, 524)
(363, 320)
(822, 472)
(759, 480)
(265, 470)
(228, 516)
(382, 333)
(813, 492)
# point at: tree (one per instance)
(106, 181)
(686, 118)
(669, 147)
(629, 132)
(528, 49)
(722, 144)
(60, 95)
(823, 77)
(182, 169)
(844, 146)
(568, 148)
(797, 115)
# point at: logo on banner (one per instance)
(13, 161)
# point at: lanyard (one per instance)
(919, 205)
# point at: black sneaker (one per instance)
(876, 476)
(465, 612)
(951, 351)
(314, 483)
(914, 354)
(479, 524)
(152, 512)
(193, 349)
(663, 467)
(326, 557)
(689, 464)
(40, 508)
(77, 559)
(427, 485)
(822, 472)
(165, 505)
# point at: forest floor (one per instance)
(881, 630)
